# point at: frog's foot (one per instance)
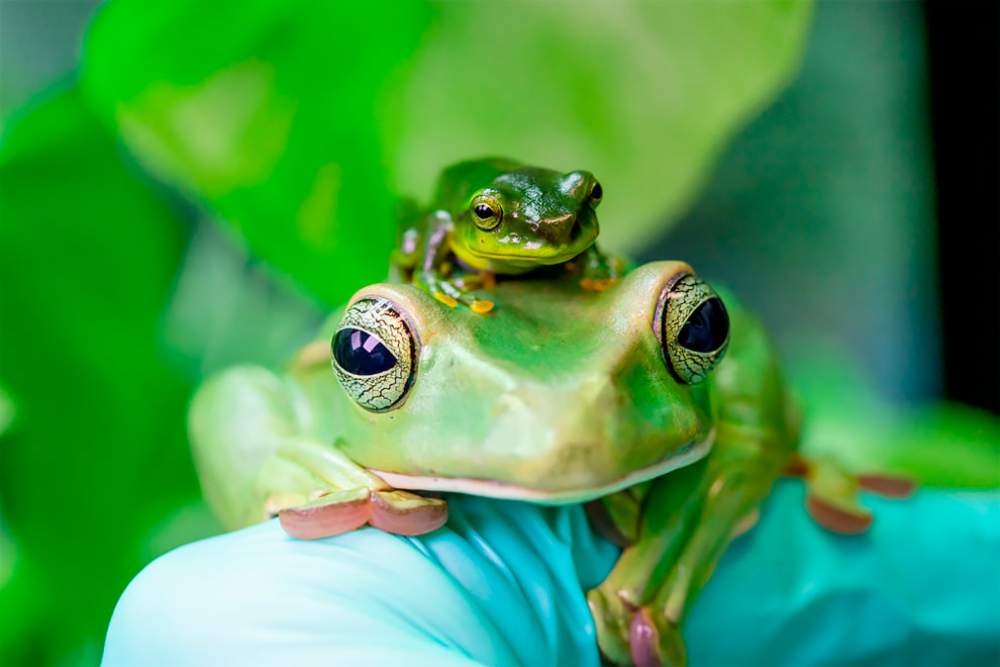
(453, 293)
(832, 497)
(600, 271)
(655, 641)
(630, 636)
(612, 619)
(393, 511)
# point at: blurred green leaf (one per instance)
(97, 454)
(269, 114)
(207, 328)
(297, 121)
(935, 444)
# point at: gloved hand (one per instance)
(503, 584)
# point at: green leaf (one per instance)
(97, 453)
(297, 122)
(846, 420)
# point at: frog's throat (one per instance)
(686, 455)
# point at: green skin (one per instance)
(501, 407)
(546, 218)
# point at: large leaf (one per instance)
(96, 454)
(297, 121)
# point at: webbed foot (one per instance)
(394, 511)
(454, 292)
(832, 497)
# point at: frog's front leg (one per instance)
(689, 517)
(346, 497)
(599, 271)
(435, 268)
(254, 462)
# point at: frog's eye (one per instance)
(374, 354)
(486, 212)
(693, 328)
(596, 194)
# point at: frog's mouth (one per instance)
(686, 455)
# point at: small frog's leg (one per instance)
(433, 272)
(600, 271)
(832, 498)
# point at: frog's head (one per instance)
(560, 395)
(508, 216)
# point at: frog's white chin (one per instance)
(493, 489)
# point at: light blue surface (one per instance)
(502, 585)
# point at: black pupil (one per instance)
(597, 191)
(484, 211)
(360, 353)
(707, 328)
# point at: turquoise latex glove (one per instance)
(503, 584)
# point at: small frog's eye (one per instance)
(596, 194)
(374, 354)
(693, 328)
(486, 212)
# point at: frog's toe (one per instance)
(446, 299)
(481, 306)
(331, 514)
(405, 513)
(838, 517)
(611, 620)
(890, 486)
(654, 641)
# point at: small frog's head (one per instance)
(559, 395)
(509, 217)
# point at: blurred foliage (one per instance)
(96, 452)
(296, 121)
(821, 211)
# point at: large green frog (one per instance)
(497, 216)
(652, 397)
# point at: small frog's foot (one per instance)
(393, 511)
(452, 293)
(832, 494)
(600, 271)
(597, 284)
(478, 306)
(655, 641)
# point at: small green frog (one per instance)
(496, 216)
(654, 401)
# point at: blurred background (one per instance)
(184, 186)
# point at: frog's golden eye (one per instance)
(596, 194)
(693, 328)
(486, 212)
(374, 354)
